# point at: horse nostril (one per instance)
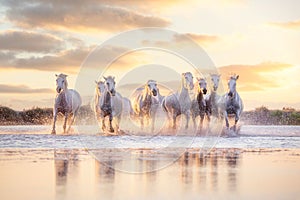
(230, 94)
(204, 91)
(154, 92)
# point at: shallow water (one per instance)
(221, 174)
(249, 137)
(262, 162)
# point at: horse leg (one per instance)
(65, 122)
(237, 114)
(73, 120)
(118, 122)
(103, 124)
(208, 119)
(194, 119)
(111, 129)
(226, 119)
(201, 123)
(152, 122)
(187, 116)
(54, 121)
(174, 121)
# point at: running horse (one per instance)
(232, 102)
(67, 102)
(199, 106)
(108, 102)
(145, 103)
(180, 102)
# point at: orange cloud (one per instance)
(253, 77)
(29, 42)
(180, 39)
(70, 60)
(287, 25)
(22, 89)
(79, 16)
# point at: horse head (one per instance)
(152, 87)
(110, 84)
(100, 87)
(202, 85)
(187, 79)
(61, 82)
(232, 85)
(215, 78)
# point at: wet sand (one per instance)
(217, 174)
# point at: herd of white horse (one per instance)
(147, 100)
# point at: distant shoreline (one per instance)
(43, 116)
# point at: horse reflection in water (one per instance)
(145, 103)
(207, 169)
(67, 102)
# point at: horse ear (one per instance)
(113, 78)
(198, 78)
(96, 82)
(183, 74)
(219, 75)
(104, 78)
(56, 75)
(237, 77)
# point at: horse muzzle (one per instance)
(58, 89)
(113, 93)
(154, 92)
(230, 94)
(215, 88)
(204, 91)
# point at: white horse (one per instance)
(232, 102)
(199, 107)
(67, 102)
(108, 102)
(213, 99)
(180, 102)
(145, 103)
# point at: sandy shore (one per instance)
(150, 174)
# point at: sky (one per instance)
(259, 40)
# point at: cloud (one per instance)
(199, 38)
(76, 16)
(255, 77)
(70, 61)
(181, 39)
(287, 25)
(29, 42)
(22, 89)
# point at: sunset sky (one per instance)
(259, 40)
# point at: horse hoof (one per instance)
(53, 132)
(111, 130)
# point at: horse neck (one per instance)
(65, 86)
(105, 97)
(183, 92)
(200, 95)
